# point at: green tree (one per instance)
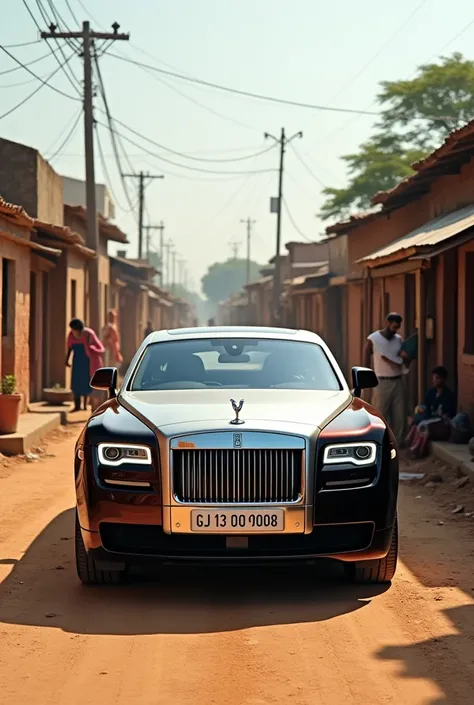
(416, 117)
(223, 279)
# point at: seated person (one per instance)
(432, 418)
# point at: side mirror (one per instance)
(105, 380)
(363, 378)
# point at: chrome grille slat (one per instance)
(237, 476)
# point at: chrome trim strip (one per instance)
(127, 483)
(342, 483)
(250, 440)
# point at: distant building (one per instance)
(74, 191)
(27, 180)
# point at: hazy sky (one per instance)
(328, 53)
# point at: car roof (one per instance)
(234, 332)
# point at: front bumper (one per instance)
(124, 544)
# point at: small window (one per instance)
(469, 304)
(8, 297)
(73, 298)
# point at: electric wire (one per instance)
(292, 221)
(73, 81)
(28, 97)
(46, 83)
(112, 134)
(182, 166)
(67, 139)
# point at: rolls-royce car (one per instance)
(234, 445)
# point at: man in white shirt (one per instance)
(385, 347)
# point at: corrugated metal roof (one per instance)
(429, 234)
(322, 271)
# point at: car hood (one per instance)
(212, 407)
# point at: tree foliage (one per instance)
(223, 279)
(417, 115)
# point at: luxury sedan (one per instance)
(235, 445)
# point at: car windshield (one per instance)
(234, 363)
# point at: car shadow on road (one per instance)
(446, 661)
(42, 590)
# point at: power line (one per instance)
(74, 17)
(308, 169)
(30, 63)
(247, 94)
(192, 157)
(259, 96)
(291, 219)
(22, 44)
(337, 130)
(70, 77)
(28, 97)
(46, 83)
(380, 51)
(106, 172)
(182, 166)
(68, 137)
(112, 135)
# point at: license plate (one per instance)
(227, 521)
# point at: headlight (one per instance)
(120, 453)
(355, 453)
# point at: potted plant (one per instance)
(57, 395)
(10, 403)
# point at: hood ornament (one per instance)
(237, 409)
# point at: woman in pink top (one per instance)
(87, 351)
(111, 340)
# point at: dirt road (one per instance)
(263, 637)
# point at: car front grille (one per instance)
(237, 476)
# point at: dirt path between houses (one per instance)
(300, 637)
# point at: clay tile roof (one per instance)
(457, 149)
(106, 228)
(15, 212)
(62, 232)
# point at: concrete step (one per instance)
(452, 454)
(41, 407)
(31, 429)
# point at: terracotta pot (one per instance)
(9, 412)
(56, 397)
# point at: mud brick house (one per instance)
(305, 290)
(28, 180)
(61, 291)
(75, 217)
(131, 284)
(22, 307)
(415, 255)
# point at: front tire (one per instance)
(87, 570)
(380, 571)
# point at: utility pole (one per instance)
(234, 246)
(141, 176)
(161, 228)
(148, 229)
(249, 222)
(87, 37)
(173, 271)
(167, 246)
(282, 141)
